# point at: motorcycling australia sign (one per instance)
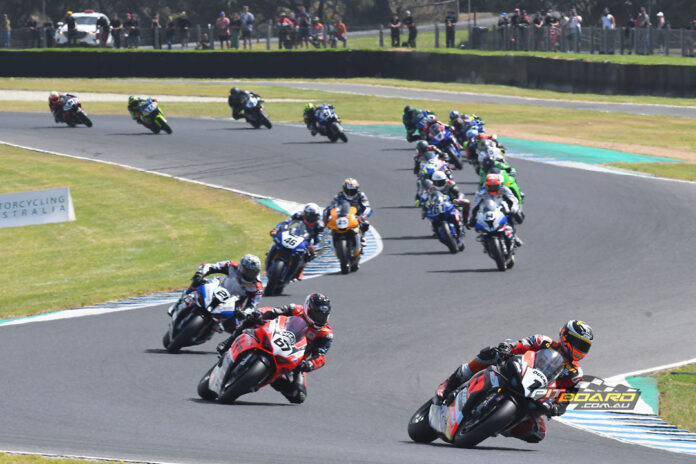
(37, 207)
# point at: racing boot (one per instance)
(458, 377)
(518, 241)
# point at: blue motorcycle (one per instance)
(287, 255)
(328, 123)
(446, 220)
(443, 139)
(496, 233)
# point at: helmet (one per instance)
(408, 109)
(467, 118)
(309, 107)
(249, 268)
(317, 310)
(54, 97)
(234, 91)
(488, 164)
(132, 101)
(422, 146)
(575, 340)
(439, 180)
(493, 183)
(454, 115)
(495, 154)
(471, 133)
(430, 119)
(311, 214)
(350, 188)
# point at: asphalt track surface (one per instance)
(616, 251)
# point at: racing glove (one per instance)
(554, 409)
(305, 366)
(199, 277)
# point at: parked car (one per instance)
(86, 29)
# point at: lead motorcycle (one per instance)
(328, 124)
(492, 402)
(257, 357)
(151, 116)
(254, 112)
(286, 257)
(446, 220)
(73, 114)
(198, 315)
(346, 235)
(496, 233)
(443, 139)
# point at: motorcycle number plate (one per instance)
(69, 104)
(251, 102)
(439, 136)
(291, 241)
(284, 341)
(342, 223)
(150, 108)
(221, 294)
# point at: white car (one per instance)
(85, 28)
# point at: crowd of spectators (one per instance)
(396, 25)
(298, 29)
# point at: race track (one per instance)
(615, 251)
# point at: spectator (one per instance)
(32, 26)
(5, 31)
(222, 26)
(502, 26)
(643, 23)
(662, 27)
(575, 30)
(410, 24)
(523, 28)
(450, 24)
(247, 26)
(103, 30)
(127, 24)
(395, 26)
(116, 28)
(515, 18)
(235, 27)
(690, 37)
(170, 31)
(629, 32)
(183, 24)
(72, 31)
(302, 23)
(285, 31)
(204, 43)
(538, 24)
(608, 24)
(515, 26)
(134, 32)
(48, 32)
(317, 33)
(156, 28)
(340, 32)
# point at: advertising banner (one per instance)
(37, 207)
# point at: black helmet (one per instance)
(234, 91)
(575, 339)
(317, 310)
(408, 109)
(422, 146)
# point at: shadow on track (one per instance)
(422, 253)
(136, 133)
(477, 448)
(309, 143)
(398, 207)
(234, 128)
(454, 271)
(241, 403)
(62, 126)
(398, 149)
(163, 351)
(409, 237)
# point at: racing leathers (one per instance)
(414, 122)
(511, 205)
(249, 292)
(57, 109)
(238, 101)
(314, 230)
(361, 203)
(310, 117)
(135, 107)
(432, 152)
(532, 430)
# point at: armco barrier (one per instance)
(524, 71)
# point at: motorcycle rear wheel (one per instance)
(419, 426)
(496, 422)
(254, 373)
(185, 337)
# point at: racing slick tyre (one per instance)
(419, 426)
(446, 237)
(496, 251)
(244, 377)
(203, 390)
(166, 339)
(82, 117)
(188, 333)
(274, 285)
(166, 127)
(264, 120)
(343, 255)
(494, 423)
(454, 159)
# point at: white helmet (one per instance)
(439, 180)
(495, 154)
(249, 268)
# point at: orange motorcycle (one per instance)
(345, 233)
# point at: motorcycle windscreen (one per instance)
(289, 339)
(543, 367)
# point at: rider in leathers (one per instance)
(310, 215)
(424, 147)
(412, 118)
(315, 312)
(352, 194)
(237, 101)
(494, 189)
(56, 101)
(574, 342)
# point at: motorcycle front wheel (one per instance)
(419, 426)
(275, 285)
(343, 255)
(496, 251)
(454, 159)
(498, 421)
(82, 117)
(446, 237)
(244, 377)
(264, 120)
(204, 390)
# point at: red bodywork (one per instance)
(282, 339)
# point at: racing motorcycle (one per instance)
(257, 357)
(286, 256)
(254, 112)
(492, 402)
(328, 124)
(496, 233)
(151, 116)
(73, 114)
(198, 315)
(446, 220)
(425, 176)
(346, 235)
(443, 139)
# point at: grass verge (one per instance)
(31, 459)
(677, 389)
(135, 233)
(684, 171)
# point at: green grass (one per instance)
(678, 396)
(30, 459)
(684, 171)
(135, 233)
